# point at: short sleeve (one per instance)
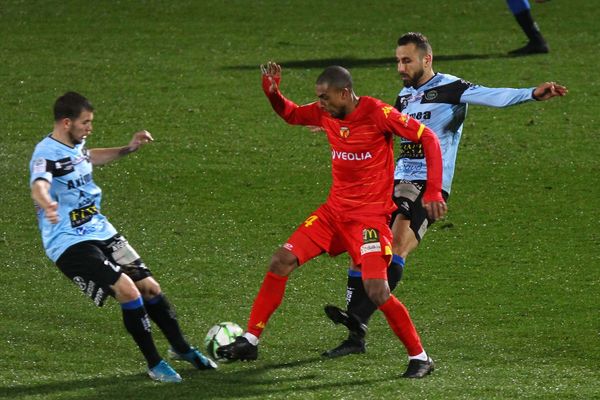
(41, 168)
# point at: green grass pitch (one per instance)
(505, 291)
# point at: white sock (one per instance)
(251, 338)
(421, 356)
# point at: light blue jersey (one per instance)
(69, 171)
(441, 104)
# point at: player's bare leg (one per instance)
(404, 240)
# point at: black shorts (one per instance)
(407, 196)
(95, 265)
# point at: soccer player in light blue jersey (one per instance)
(86, 247)
(440, 101)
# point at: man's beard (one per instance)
(414, 81)
(74, 139)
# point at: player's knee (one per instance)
(149, 288)
(125, 289)
(378, 292)
(283, 262)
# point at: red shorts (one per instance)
(322, 233)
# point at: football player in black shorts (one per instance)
(439, 101)
(86, 247)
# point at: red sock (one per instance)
(397, 317)
(266, 302)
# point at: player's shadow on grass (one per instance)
(353, 62)
(251, 381)
(71, 386)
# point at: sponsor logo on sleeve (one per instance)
(39, 165)
(404, 119)
(387, 110)
(310, 220)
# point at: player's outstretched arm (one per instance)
(548, 90)
(308, 114)
(40, 193)
(106, 155)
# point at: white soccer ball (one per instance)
(220, 335)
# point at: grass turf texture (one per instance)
(504, 291)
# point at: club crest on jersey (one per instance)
(387, 110)
(431, 94)
(344, 132)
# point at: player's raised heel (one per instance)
(419, 368)
(241, 349)
(349, 320)
(194, 357)
(163, 372)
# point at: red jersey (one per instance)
(362, 159)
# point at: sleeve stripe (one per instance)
(420, 132)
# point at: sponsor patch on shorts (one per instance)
(370, 235)
(370, 248)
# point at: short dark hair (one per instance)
(336, 76)
(416, 38)
(70, 105)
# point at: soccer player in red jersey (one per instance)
(355, 217)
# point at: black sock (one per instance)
(138, 325)
(394, 271)
(529, 26)
(358, 301)
(164, 316)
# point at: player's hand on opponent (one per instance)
(51, 212)
(315, 129)
(271, 73)
(435, 209)
(138, 140)
(547, 90)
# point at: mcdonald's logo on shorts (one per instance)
(370, 235)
